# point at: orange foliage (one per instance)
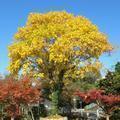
(13, 94)
(107, 102)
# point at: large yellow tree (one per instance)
(57, 47)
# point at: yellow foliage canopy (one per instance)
(57, 42)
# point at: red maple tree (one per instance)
(14, 93)
(108, 103)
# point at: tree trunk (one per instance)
(57, 93)
(54, 97)
(32, 115)
(107, 117)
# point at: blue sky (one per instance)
(104, 13)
